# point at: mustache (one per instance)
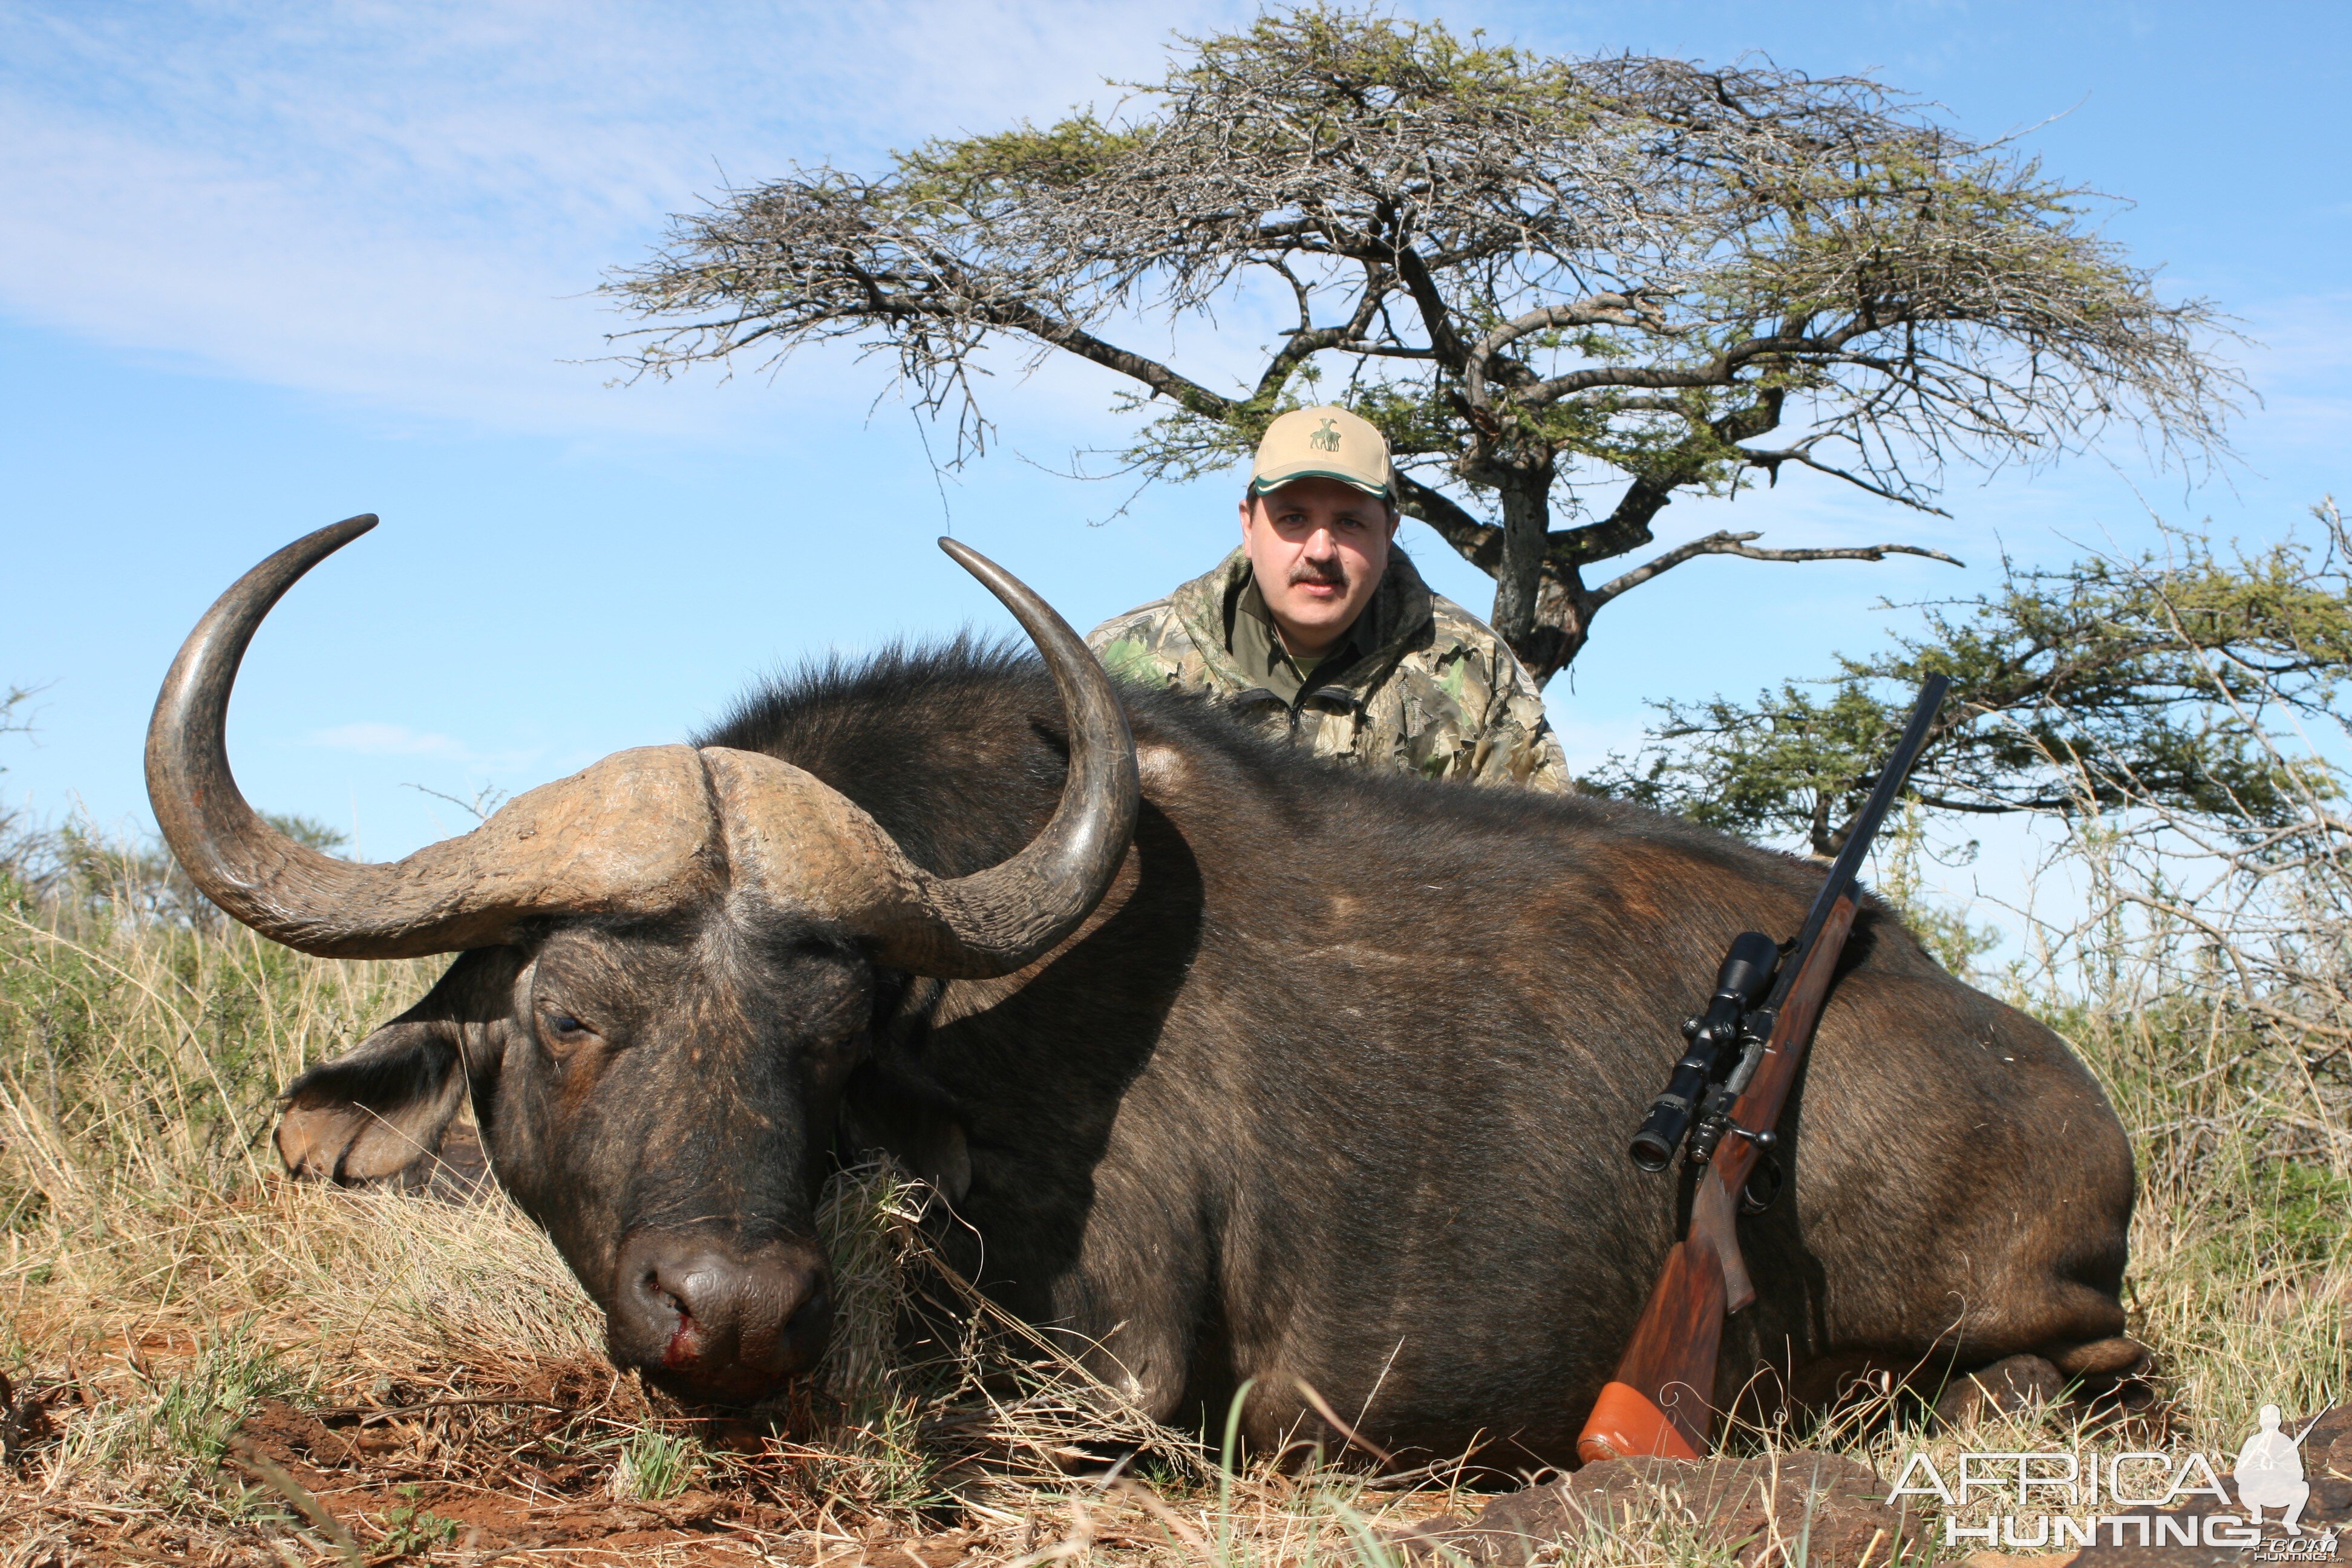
(1329, 573)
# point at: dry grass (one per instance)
(426, 1369)
(426, 1366)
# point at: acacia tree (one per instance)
(1568, 291)
(2180, 719)
(2180, 686)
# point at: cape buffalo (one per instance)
(1234, 1064)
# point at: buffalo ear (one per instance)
(927, 1139)
(375, 1113)
(943, 1158)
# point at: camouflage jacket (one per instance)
(1437, 694)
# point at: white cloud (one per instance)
(441, 758)
(374, 739)
(408, 205)
(2301, 363)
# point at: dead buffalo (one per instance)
(1262, 1069)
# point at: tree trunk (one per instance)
(1563, 624)
(1527, 529)
(1541, 609)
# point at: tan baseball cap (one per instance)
(1324, 443)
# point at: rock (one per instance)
(1822, 1510)
(2327, 1457)
(2006, 1387)
(1427, 1540)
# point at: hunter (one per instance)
(1318, 628)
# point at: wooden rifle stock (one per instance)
(1662, 1399)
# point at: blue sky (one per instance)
(267, 265)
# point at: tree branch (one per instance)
(1627, 526)
(1179, 389)
(1601, 310)
(1803, 455)
(1720, 370)
(1305, 340)
(1435, 318)
(1737, 544)
(1479, 543)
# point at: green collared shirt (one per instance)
(1256, 642)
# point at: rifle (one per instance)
(1723, 1105)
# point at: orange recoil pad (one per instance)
(1624, 1425)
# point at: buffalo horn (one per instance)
(635, 833)
(994, 922)
(805, 845)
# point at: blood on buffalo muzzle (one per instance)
(709, 1321)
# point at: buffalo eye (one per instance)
(561, 1032)
(827, 1056)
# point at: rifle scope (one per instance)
(1739, 984)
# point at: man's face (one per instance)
(1318, 548)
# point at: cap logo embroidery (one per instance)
(1327, 440)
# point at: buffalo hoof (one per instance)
(2099, 1359)
(2010, 1387)
(1821, 1511)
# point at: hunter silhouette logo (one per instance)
(2269, 1472)
(1327, 440)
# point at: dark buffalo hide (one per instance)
(1333, 1087)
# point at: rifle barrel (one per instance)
(1858, 840)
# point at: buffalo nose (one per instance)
(711, 1322)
